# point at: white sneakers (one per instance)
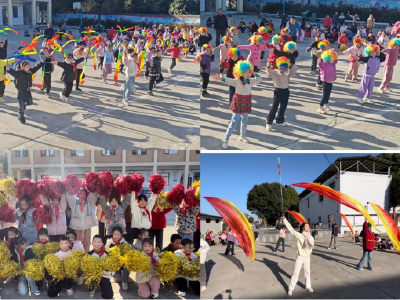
(310, 290)
(182, 294)
(62, 97)
(321, 110)
(170, 71)
(327, 108)
(203, 288)
(387, 90)
(125, 102)
(70, 292)
(359, 100)
(243, 139)
(290, 293)
(380, 90)
(268, 127)
(225, 145)
(366, 100)
(122, 87)
(284, 124)
(124, 286)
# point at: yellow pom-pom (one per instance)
(189, 269)
(10, 268)
(162, 202)
(52, 247)
(8, 186)
(121, 249)
(168, 266)
(41, 250)
(5, 253)
(93, 270)
(72, 263)
(342, 48)
(269, 29)
(137, 261)
(34, 268)
(55, 266)
(3, 199)
(112, 262)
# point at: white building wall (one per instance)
(16, 21)
(212, 226)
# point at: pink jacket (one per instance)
(282, 233)
(231, 235)
(58, 226)
(327, 70)
(62, 254)
(354, 51)
(255, 52)
(223, 51)
(391, 57)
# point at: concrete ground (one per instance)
(333, 273)
(96, 118)
(9, 288)
(348, 126)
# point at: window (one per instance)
(321, 198)
(46, 152)
(15, 12)
(208, 220)
(166, 178)
(197, 151)
(217, 221)
(333, 185)
(20, 153)
(139, 152)
(107, 152)
(77, 152)
(171, 151)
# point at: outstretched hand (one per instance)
(8, 68)
(216, 77)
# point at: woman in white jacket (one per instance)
(141, 213)
(305, 244)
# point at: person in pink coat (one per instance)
(223, 51)
(392, 55)
(327, 66)
(58, 225)
(357, 50)
(257, 45)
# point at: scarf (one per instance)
(189, 256)
(82, 199)
(71, 245)
(57, 212)
(40, 242)
(147, 212)
(116, 243)
(102, 250)
(112, 208)
(9, 241)
(307, 243)
(153, 260)
(21, 258)
(23, 216)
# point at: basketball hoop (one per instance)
(76, 5)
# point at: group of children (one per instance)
(242, 75)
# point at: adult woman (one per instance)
(305, 244)
(370, 22)
(368, 246)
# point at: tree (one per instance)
(224, 225)
(3, 162)
(395, 172)
(184, 7)
(251, 220)
(264, 200)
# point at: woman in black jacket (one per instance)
(23, 83)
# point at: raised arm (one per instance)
(126, 202)
(104, 205)
(92, 198)
(289, 227)
(152, 201)
(63, 202)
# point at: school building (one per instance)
(177, 166)
(210, 222)
(25, 12)
(367, 179)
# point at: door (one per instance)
(5, 15)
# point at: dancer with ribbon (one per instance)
(47, 57)
(81, 52)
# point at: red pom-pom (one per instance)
(91, 180)
(137, 183)
(190, 197)
(47, 187)
(105, 184)
(43, 214)
(124, 184)
(7, 214)
(176, 195)
(27, 187)
(72, 184)
(59, 188)
(35, 203)
(156, 183)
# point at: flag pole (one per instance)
(280, 179)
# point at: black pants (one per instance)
(196, 240)
(182, 285)
(24, 97)
(326, 93)
(220, 33)
(136, 232)
(294, 39)
(230, 247)
(47, 82)
(206, 80)
(173, 64)
(78, 76)
(319, 82)
(156, 79)
(280, 240)
(67, 89)
(121, 67)
(159, 235)
(147, 69)
(232, 91)
(102, 231)
(223, 242)
(281, 99)
(203, 274)
(106, 288)
(129, 234)
(101, 62)
(314, 63)
(56, 287)
(2, 88)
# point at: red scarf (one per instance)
(102, 250)
(189, 256)
(116, 243)
(21, 221)
(71, 245)
(21, 258)
(40, 242)
(153, 260)
(111, 213)
(147, 212)
(9, 241)
(57, 211)
(82, 200)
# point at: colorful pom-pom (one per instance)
(105, 183)
(43, 214)
(124, 184)
(276, 38)
(137, 183)
(167, 267)
(162, 201)
(233, 51)
(233, 29)
(72, 184)
(156, 183)
(241, 68)
(329, 56)
(136, 261)
(91, 181)
(256, 38)
(7, 213)
(371, 48)
(8, 186)
(176, 194)
(358, 40)
(34, 268)
(206, 46)
(27, 187)
(226, 38)
(203, 29)
(52, 189)
(394, 42)
(323, 44)
(282, 63)
(289, 46)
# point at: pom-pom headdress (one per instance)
(203, 29)
(256, 38)
(329, 56)
(232, 29)
(206, 46)
(394, 42)
(370, 48)
(323, 44)
(226, 38)
(289, 46)
(233, 51)
(282, 63)
(285, 30)
(242, 67)
(276, 38)
(262, 30)
(358, 40)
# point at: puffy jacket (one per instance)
(391, 56)
(220, 22)
(85, 219)
(175, 51)
(327, 70)
(186, 221)
(204, 39)
(118, 215)
(368, 238)
(28, 254)
(58, 226)
(155, 66)
(47, 63)
(291, 56)
(354, 52)
(23, 80)
(69, 74)
(141, 217)
(327, 22)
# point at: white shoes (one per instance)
(284, 124)
(268, 127)
(169, 71)
(387, 90)
(122, 87)
(366, 100)
(66, 100)
(290, 293)
(124, 286)
(70, 292)
(203, 288)
(359, 100)
(125, 102)
(380, 90)
(225, 145)
(182, 294)
(79, 280)
(243, 139)
(321, 110)
(62, 97)
(327, 108)
(310, 290)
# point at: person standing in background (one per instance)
(231, 241)
(282, 235)
(335, 232)
(220, 26)
(331, 220)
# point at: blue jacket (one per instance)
(294, 28)
(22, 58)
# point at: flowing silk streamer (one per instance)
(338, 197)
(122, 30)
(38, 37)
(94, 61)
(238, 222)
(391, 227)
(347, 223)
(149, 42)
(63, 33)
(141, 62)
(83, 72)
(30, 46)
(117, 67)
(298, 216)
(16, 32)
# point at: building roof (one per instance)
(210, 216)
(367, 164)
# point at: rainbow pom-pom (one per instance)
(262, 30)
(226, 38)
(276, 38)
(323, 44)
(242, 67)
(358, 40)
(285, 30)
(232, 29)
(233, 51)
(370, 48)
(289, 46)
(256, 38)
(394, 42)
(206, 46)
(203, 30)
(282, 63)
(329, 56)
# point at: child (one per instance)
(231, 241)
(20, 254)
(383, 40)
(155, 71)
(313, 48)
(141, 213)
(107, 64)
(204, 37)
(115, 240)
(115, 212)
(57, 227)
(205, 67)
(3, 64)
(392, 54)
(233, 33)
(21, 57)
(368, 244)
(66, 284)
(280, 77)
(322, 46)
(105, 283)
(222, 238)
(158, 224)
(343, 28)
(234, 57)
(371, 38)
(182, 282)
(285, 34)
(23, 83)
(149, 55)
(204, 248)
(257, 45)
(223, 52)
(12, 233)
(175, 243)
(343, 40)
(48, 67)
(27, 225)
(335, 35)
(100, 54)
(241, 101)
(356, 50)
(149, 283)
(175, 53)
(372, 65)
(289, 51)
(212, 238)
(69, 75)
(363, 31)
(43, 236)
(327, 66)
(3, 49)
(281, 240)
(276, 44)
(130, 60)
(73, 243)
(144, 234)
(26, 33)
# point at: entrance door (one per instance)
(5, 15)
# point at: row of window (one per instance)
(24, 153)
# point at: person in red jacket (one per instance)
(368, 246)
(343, 40)
(175, 53)
(328, 22)
(159, 222)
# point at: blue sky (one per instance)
(231, 176)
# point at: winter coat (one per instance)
(175, 51)
(372, 64)
(180, 253)
(3, 63)
(291, 56)
(220, 22)
(106, 273)
(186, 221)
(131, 66)
(204, 39)
(205, 62)
(69, 74)
(223, 51)
(141, 217)
(327, 22)
(118, 215)
(368, 238)
(392, 56)
(354, 52)
(231, 64)
(23, 80)
(58, 226)
(47, 63)
(28, 225)
(110, 243)
(294, 28)
(155, 66)
(335, 230)
(231, 237)
(370, 23)
(28, 254)
(3, 51)
(158, 220)
(85, 219)
(142, 277)
(255, 51)
(327, 70)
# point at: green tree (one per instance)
(395, 172)
(224, 225)
(264, 200)
(184, 7)
(251, 220)
(3, 162)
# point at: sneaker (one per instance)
(366, 100)
(336, 248)
(284, 124)
(124, 286)
(62, 97)
(91, 293)
(268, 127)
(203, 288)
(313, 72)
(122, 87)
(345, 78)
(22, 120)
(104, 81)
(372, 269)
(329, 247)
(327, 108)
(205, 92)
(1, 99)
(154, 296)
(273, 250)
(182, 294)
(355, 80)
(79, 280)
(225, 145)
(150, 93)
(359, 100)
(125, 102)
(360, 269)
(66, 100)
(310, 290)
(48, 96)
(321, 110)
(70, 292)
(387, 90)
(37, 293)
(233, 254)
(78, 90)
(243, 139)
(169, 71)
(318, 86)
(290, 293)
(380, 90)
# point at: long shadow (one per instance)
(209, 265)
(234, 260)
(220, 296)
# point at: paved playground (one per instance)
(96, 118)
(333, 273)
(348, 126)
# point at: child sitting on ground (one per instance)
(144, 234)
(26, 33)
(149, 283)
(73, 243)
(175, 243)
(12, 233)
(43, 236)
